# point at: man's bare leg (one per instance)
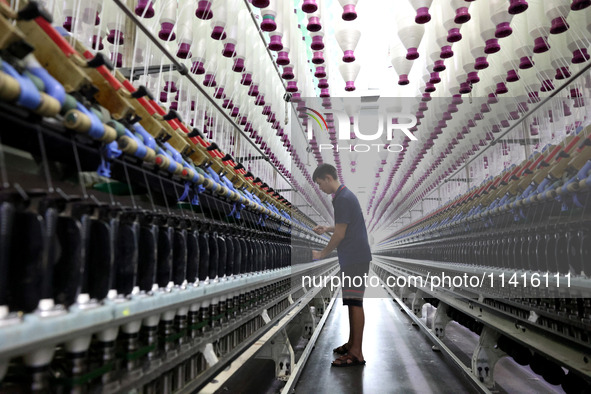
(357, 321)
(350, 341)
(356, 324)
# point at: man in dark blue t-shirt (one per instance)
(350, 238)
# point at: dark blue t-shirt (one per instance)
(354, 248)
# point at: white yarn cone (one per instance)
(115, 23)
(242, 41)
(275, 42)
(314, 18)
(523, 46)
(487, 29)
(352, 108)
(204, 10)
(168, 10)
(467, 63)
(497, 73)
(519, 104)
(451, 85)
(200, 38)
(410, 35)
(422, 9)
(510, 65)
(309, 6)
(455, 14)
(170, 80)
(249, 57)
(578, 41)
(184, 29)
(212, 54)
(500, 16)
(557, 11)
(476, 45)
(68, 14)
(349, 72)
(232, 87)
(349, 12)
(561, 56)
(440, 32)
(223, 15)
(317, 40)
(222, 77)
(461, 59)
(98, 35)
(283, 55)
(269, 14)
(402, 66)
(116, 55)
(348, 36)
(233, 32)
(539, 25)
(531, 84)
(434, 50)
(545, 70)
(294, 53)
(90, 12)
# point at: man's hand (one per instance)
(320, 229)
(317, 255)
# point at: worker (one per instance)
(349, 237)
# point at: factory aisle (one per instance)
(399, 357)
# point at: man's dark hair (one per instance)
(323, 170)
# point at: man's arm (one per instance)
(323, 229)
(337, 236)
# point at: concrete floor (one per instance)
(399, 357)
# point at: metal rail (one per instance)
(33, 332)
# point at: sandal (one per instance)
(347, 361)
(343, 349)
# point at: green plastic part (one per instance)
(200, 171)
(116, 188)
(69, 104)
(87, 377)
(184, 205)
(199, 325)
(36, 81)
(119, 128)
(175, 337)
(139, 353)
(98, 113)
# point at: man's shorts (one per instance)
(354, 289)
